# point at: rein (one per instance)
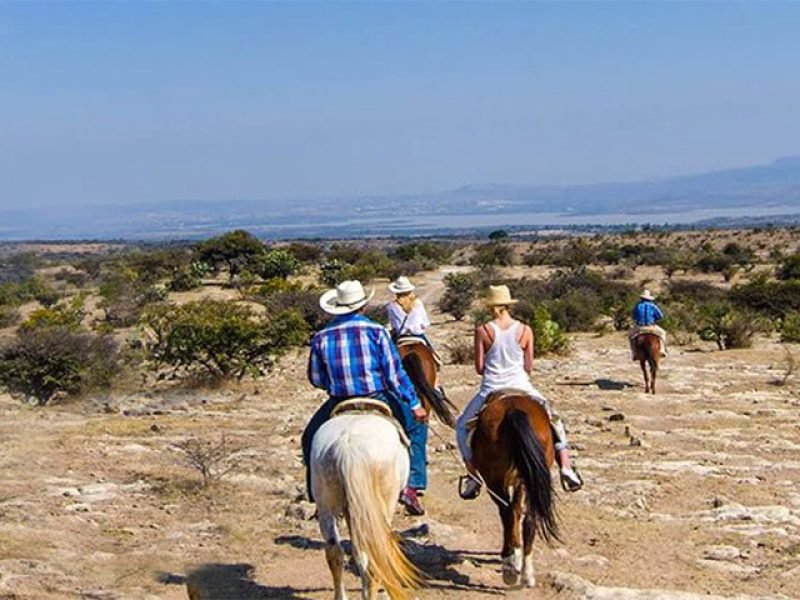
(478, 477)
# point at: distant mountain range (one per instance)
(757, 191)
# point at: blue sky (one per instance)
(127, 103)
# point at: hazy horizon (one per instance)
(139, 104)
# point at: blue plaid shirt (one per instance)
(647, 313)
(354, 356)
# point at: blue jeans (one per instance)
(417, 433)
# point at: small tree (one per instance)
(218, 338)
(234, 250)
(458, 295)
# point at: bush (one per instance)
(9, 316)
(548, 338)
(682, 321)
(125, 295)
(462, 352)
(65, 316)
(294, 297)
(219, 339)
(305, 253)
(790, 268)
(790, 329)
(45, 362)
(458, 295)
(184, 280)
(428, 254)
(727, 327)
(274, 264)
(493, 254)
(774, 299)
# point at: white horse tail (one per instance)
(370, 530)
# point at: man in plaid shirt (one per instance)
(354, 357)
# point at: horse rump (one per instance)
(529, 460)
(441, 406)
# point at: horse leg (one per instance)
(653, 371)
(334, 553)
(528, 531)
(512, 544)
(643, 365)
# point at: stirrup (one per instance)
(568, 484)
(464, 491)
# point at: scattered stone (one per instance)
(721, 552)
(727, 567)
(304, 511)
(616, 417)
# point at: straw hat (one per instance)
(345, 298)
(499, 295)
(401, 285)
(646, 295)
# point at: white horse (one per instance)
(358, 467)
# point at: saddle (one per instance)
(409, 340)
(645, 329)
(494, 396)
(370, 406)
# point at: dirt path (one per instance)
(694, 490)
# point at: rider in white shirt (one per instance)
(408, 317)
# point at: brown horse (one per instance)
(419, 363)
(647, 349)
(513, 452)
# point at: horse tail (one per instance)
(370, 531)
(440, 405)
(529, 460)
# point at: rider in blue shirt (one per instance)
(646, 315)
(354, 356)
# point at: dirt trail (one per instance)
(693, 491)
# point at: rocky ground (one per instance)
(692, 493)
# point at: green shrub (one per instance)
(9, 316)
(462, 352)
(458, 295)
(44, 362)
(774, 299)
(790, 268)
(66, 316)
(682, 321)
(184, 280)
(274, 264)
(493, 254)
(305, 253)
(218, 339)
(293, 297)
(428, 254)
(548, 338)
(125, 294)
(728, 327)
(790, 328)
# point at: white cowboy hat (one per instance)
(347, 297)
(401, 285)
(646, 295)
(499, 295)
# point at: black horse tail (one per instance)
(529, 460)
(441, 406)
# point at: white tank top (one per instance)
(504, 363)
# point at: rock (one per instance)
(79, 507)
(616, 417)
(593, 560)
(727, 567)
(304, 511)
(721, 552)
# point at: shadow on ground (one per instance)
(606, 385)
(218, 581)
(436, 562)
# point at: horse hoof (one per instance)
(510, 576)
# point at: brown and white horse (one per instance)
(513, 451)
